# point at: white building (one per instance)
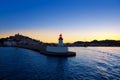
(9, 43)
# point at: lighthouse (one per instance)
(59, 50)
(60, 40)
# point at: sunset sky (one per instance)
(77, 20)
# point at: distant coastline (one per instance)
(18, 39)
(95, 43)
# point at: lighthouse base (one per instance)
(58, 51)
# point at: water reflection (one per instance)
(89, 64)
(57, 66)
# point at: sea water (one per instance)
(90, 63)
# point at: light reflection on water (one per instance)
(90, 63)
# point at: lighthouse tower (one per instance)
(58, 49)
(60, 40)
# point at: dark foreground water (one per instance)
(91, 63)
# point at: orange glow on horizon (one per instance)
(52, 37)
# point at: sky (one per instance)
(76, 20)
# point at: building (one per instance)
(9, 42)
(58, 49)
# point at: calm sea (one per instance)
(90, 63)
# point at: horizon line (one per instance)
(63, 41)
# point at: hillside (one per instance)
(97, 43)
(18, 39)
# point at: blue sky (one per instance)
(76, 19)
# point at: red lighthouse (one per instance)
(60, 40)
